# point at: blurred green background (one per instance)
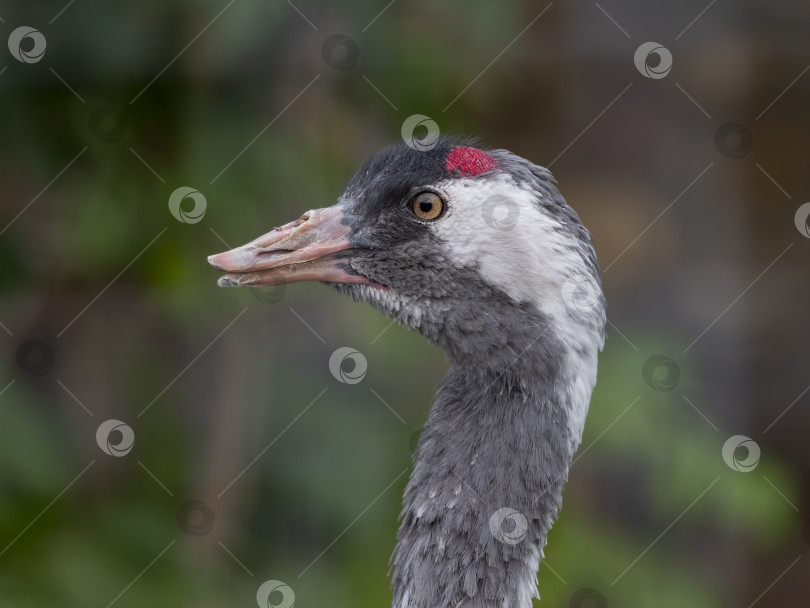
(689, 184)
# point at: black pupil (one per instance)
(426, 206)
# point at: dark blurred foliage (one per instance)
(109, 310)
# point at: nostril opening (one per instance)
(273, 252)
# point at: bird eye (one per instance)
(428, 206)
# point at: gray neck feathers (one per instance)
(489, 468)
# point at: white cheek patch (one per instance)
(496, 226)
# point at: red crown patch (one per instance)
(469, 162)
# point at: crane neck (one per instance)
(488, 476)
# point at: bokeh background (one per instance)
(251, 461)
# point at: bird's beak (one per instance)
(308, 249)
